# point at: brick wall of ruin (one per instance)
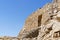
(31, 22)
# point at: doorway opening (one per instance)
(39, 20)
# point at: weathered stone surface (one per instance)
(9, 38)
(44, 24)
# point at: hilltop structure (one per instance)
(44, 24)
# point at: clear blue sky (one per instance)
(13, 14)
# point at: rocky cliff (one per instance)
(44, 24)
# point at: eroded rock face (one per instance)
(44, 24)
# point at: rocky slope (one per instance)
(44, 24)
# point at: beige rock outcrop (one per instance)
(44, 24)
